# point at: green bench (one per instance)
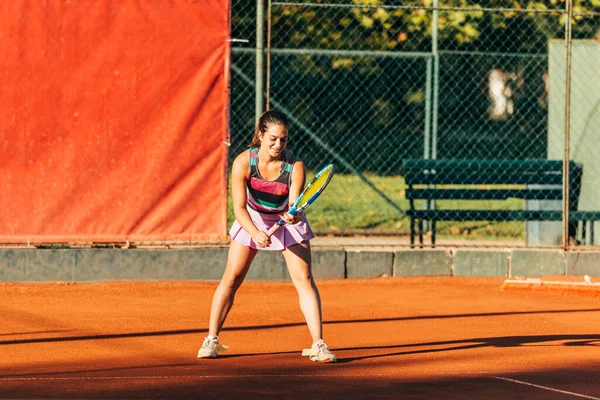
(489, 180)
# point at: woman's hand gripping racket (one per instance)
(306, 198)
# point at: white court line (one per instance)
(91, 378)
(546, 388)
(101, 378)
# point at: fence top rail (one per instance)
(439, 8)
(418, 7)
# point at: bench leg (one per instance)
(433, 226)
(412, 232)
(421, 233)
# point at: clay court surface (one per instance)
(408, 338)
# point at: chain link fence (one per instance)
(375, 85)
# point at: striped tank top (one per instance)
(270, 197)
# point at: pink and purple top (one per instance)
(270, 197)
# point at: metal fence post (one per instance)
(260, 55)
(567, 155)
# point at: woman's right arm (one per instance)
(239, 178)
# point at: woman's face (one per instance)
(274, 140)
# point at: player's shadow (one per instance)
(474, 343)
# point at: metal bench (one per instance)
(472, 179)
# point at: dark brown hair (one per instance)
(267, 119)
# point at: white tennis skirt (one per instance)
(286, 236)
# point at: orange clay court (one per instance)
(409, 338)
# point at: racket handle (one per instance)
(275, 227)
(280, 223)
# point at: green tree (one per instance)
(372, 26)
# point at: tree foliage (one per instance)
(377, 25)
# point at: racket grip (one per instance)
(275, 227)
(281, 222)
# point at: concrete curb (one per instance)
(87, 265)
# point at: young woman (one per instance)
(266, 179)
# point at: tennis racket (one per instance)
(310, 194)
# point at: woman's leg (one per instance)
(238, 262)
(298, 260)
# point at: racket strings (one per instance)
(316, 186)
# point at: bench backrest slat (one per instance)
(489, 215)
(479, 194)
(478, 178)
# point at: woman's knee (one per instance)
(232, 281)
(304, 281)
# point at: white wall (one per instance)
(585, 114)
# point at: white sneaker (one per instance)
(319, 352)
(211, 347)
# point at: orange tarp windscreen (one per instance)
(113, 120)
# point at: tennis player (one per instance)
(266, 179)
